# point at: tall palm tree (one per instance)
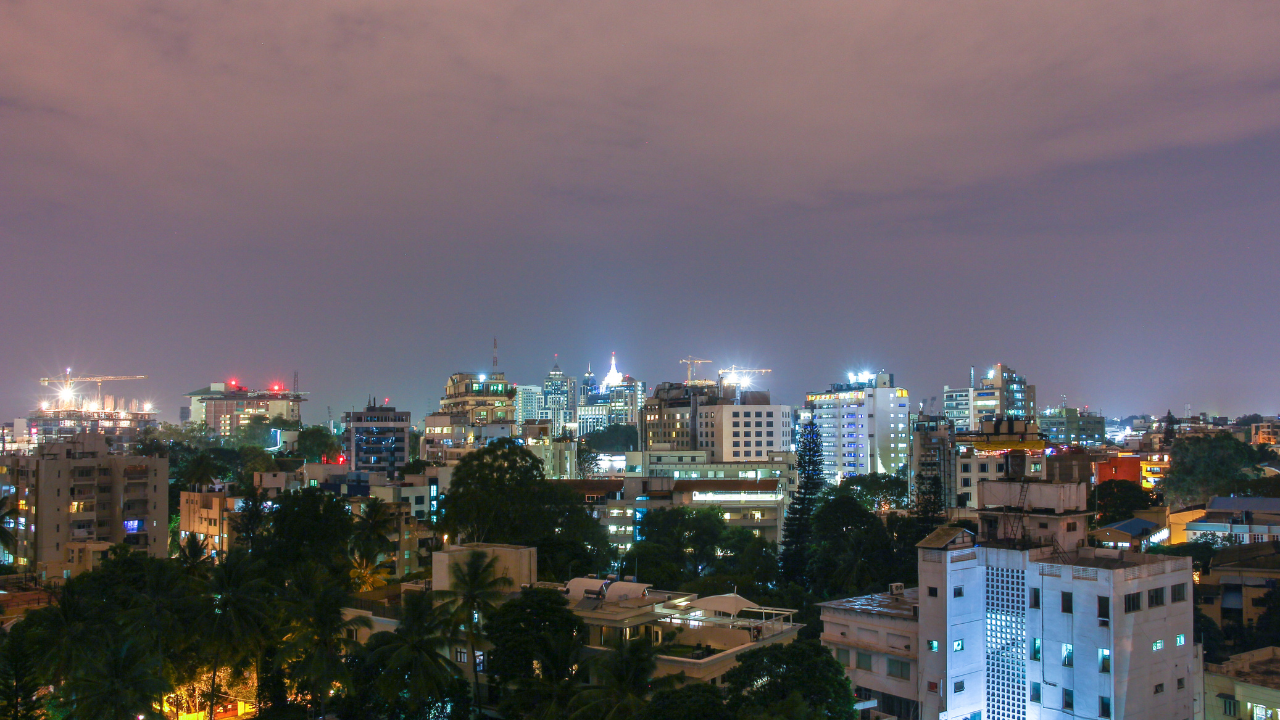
(414, 658)
(475, 591)
(124, 682)
(559, 676)
(233, 623)
(372, 527)
(626, 682)
(194, 558)
(252, 519)
(65, 631)
(365, 575)
(316, 635)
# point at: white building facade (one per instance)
(864, 425)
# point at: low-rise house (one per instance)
(1245, 686)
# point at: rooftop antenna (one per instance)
(495, 353)
(970, 377)
(295, 381)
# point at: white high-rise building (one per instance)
(528, 402)
(1024, 621)
(864, 425)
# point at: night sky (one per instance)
(369, 192)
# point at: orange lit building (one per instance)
(1119, 467)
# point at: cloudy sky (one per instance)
(369, 192)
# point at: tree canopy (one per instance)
(1118, 500)
(1203, 466)
(499, 494)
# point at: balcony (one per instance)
(82, 533)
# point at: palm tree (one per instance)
(475, 591)
(414, 658)
(558, 675)
(252, 518)
(8, 515)
(124, 682)
(234, 618)
(367, 576)
(66, 633)
(369, 537)
(626, 681)
(194, 558)
(316, 635)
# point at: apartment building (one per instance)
(864, 425)
(1266, 433)
(208, 512)
(744, 433)
(1002, 393)
(1231, 591)
(1245, 686)
(1072, 426)
(1023, 621)
(225, 406)
(752, 495)
(75, 499)
(933, 456)
(376, 439)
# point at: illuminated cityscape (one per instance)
(613, 361)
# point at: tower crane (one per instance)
(67, 380)
(692, 362)
(741, 375)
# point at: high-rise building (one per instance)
(1024, 621)
(863, 424)
(559, 400)
(119, 427)
(671, 419)
(224, 407)
(744, 433)
(376, 439)
(481, 398)
(933, 457)
(528, 402)
(616, 399)
(1072, 426)
(1002, 393)
(75, 499)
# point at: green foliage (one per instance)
(1250, 419)
(769, 675)
(588, 461)
(536, 625)
(1210, 636)
(1201, 550)
(256, 433)
(1118, 500)
(797, 534)
(499, 494)
(876, 491)
(1204, 466)
(695, 701)
(316, 442)
(623, 682)
(473, 596)
(20, 687)
(616, 438)
(852, 553)
(417, 466)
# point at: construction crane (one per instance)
(692, 362)
(67, 380)
(741, 375)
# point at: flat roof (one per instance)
(901, 606)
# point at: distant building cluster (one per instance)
(1025, 607)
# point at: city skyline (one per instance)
(422, 398)
(368, 194)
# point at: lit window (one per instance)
(1157, 646)
(957, 646)
(1181, 639)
